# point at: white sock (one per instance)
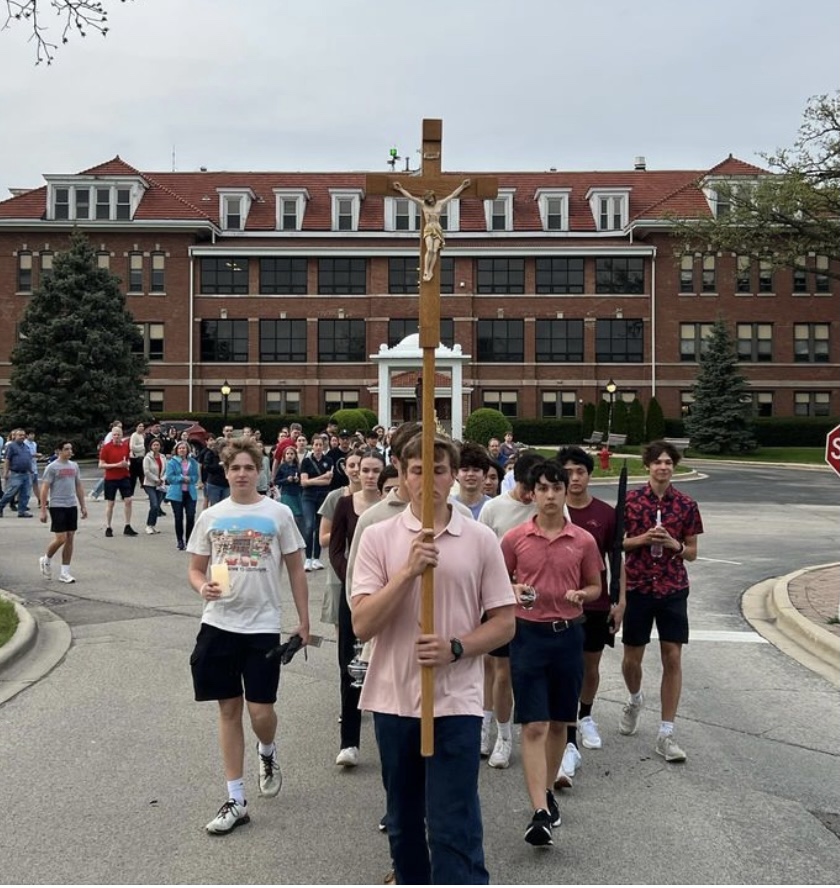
(666, 729)
(65, 569)
(488, 718)
(636, 698)
(504, 730)
(267, 750)
(236, 790)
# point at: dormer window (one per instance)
(345, 208)
(554, 208)
(723, 194)
(94, 200)
(234, 205)
(499, 211)
(609, 207)
(291, 206)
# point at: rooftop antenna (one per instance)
(394, 156)
(173, 158)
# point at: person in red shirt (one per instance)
(661, 529)
(114, 459)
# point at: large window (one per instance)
(619, 340)
(283, 340)
(687, 273)
(559, 275)
(762, 403)
(399, 328)
(341, 340)
(755, 342)
(810, 343)
(559, 405)
(135, 272)
(216, 402)
(811, 403)
(694, 341)
(500, 275)
(403, 275)
(765, 276)
(224, 340)
(158, 273)
(224, 275)
(821, 283)
(24, 275)
(708, 276)
(620, 274)
(340, 399)
(152, 347)
(337, 277)
(153, 400)
(800, 275)
(283, 276)
(504, 402)
(559, 341)
(501, 341)
(282, 401)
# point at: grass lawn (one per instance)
(803, 455)
(8, 620)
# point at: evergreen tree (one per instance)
(588, 419)
(721, 416)
(655, 421)
(602, 416)
(635, 422)
(619, 418)
(78, 364)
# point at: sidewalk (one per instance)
(816, 595)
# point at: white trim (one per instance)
(354, 195)
(391, 204)
(300, 196)
(245, 196)
(543, 196)
(396, 251)
(134, 185)
(504, 196)
(617, 195)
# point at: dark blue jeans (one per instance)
(312, 524)
(155, 496)
(438, 794)
(183, 508)
(18, 483)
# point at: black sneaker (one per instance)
(553, 808)
(109, 532)
(129, 531)
(539, 829)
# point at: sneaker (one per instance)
(155, 530)
(348, 757)
(500, 757)
(129, 531)
(629, 722)
(109, 532)
(231, 815)
(271, 778)
(316, 564)
(25, 515)
(569, 764)
(553, 808)
(667, 747)
(46, 567)
(539, 829)
(180, 547)
(307, 565)
(486, 742)
(149, 530)
(589, 736)
(66, 578)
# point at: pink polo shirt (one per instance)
(552, 567)
(470, 579)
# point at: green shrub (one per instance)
(370, 416)
(549, 432)
(635, 422)
(619, 418)
(794, 431)
(484, 424)
(351, 419)
(655, 421)
(602, 416)
(588, 420)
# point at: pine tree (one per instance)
(655, 421)
(721, 415)
(602, 416)
(635, 422)
(619, 418)
(78, 364)
(588, 419)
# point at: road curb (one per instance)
(25, 635)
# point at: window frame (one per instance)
(561, 397)
(817, 401)
(503, 202)
(157, 272)
(813, 353)
(285, 397)
(238, 354)
(332, 266)
(757, 353)
(553, 270)
(136, 273)
(497, 330)
(498, 267)
(295, 335)
(545, 196)
(236, 268)
(618, 356)
(501, 399)
(290, 275)
(699, 340)
(355, 350)
(551, 353)
(300, 196)
(411, 325)
(151, 352)
(354, 196)
(348, 399)
(25, 279)
(612, 287)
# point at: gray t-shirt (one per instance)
(60, 476)
(504, 512)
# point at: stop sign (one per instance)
(832, 449)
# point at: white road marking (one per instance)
(719, 560)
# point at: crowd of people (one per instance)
(523, 607)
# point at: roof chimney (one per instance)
(639, 162)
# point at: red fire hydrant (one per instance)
(604, 458)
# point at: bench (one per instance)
(616, 441)
(594, 439)
(681, 444)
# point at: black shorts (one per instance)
(669, 612)
(546, 670)
(223, 663)
(596, 632)
(121, 485)
(64, 519)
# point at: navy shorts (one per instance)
(121, 486)
(64, 519)
(223, 663)
(546, 671)
(596, 632)
(669, 612)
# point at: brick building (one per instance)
(285, 284)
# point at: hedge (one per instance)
(551, 432)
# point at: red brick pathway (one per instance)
(816, 595)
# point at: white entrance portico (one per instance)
(406, 356)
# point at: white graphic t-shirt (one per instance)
(250, 540)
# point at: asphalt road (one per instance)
(110, 770)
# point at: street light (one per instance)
(225, 390)
(611, 388)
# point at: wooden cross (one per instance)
(430, 191)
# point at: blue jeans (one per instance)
(183, 508)
(438, 794)
(215, 493)
(311, 526)
(155, 501)
(18, 484)
(100, 487)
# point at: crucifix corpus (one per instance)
(423, 190)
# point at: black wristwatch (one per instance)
(457, 649)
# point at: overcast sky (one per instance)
(332, 84)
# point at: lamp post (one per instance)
(611, 388)
(225, 390)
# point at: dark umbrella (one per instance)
(618, 539)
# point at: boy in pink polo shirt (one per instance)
(440, 793)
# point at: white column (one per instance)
(457, 401)
(384, 394)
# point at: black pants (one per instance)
(135, 467)
(183, 508)
(351, 716)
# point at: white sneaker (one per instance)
(348, 757)
(231, 815)
(500, 757)
(149, 530)
(589, 736)
(569, 764)
(271, 778)
(46, 567)
(630, 715)
(316, 564)
(486, 743)
(667, 747)
(307, 565)
(66, 578)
